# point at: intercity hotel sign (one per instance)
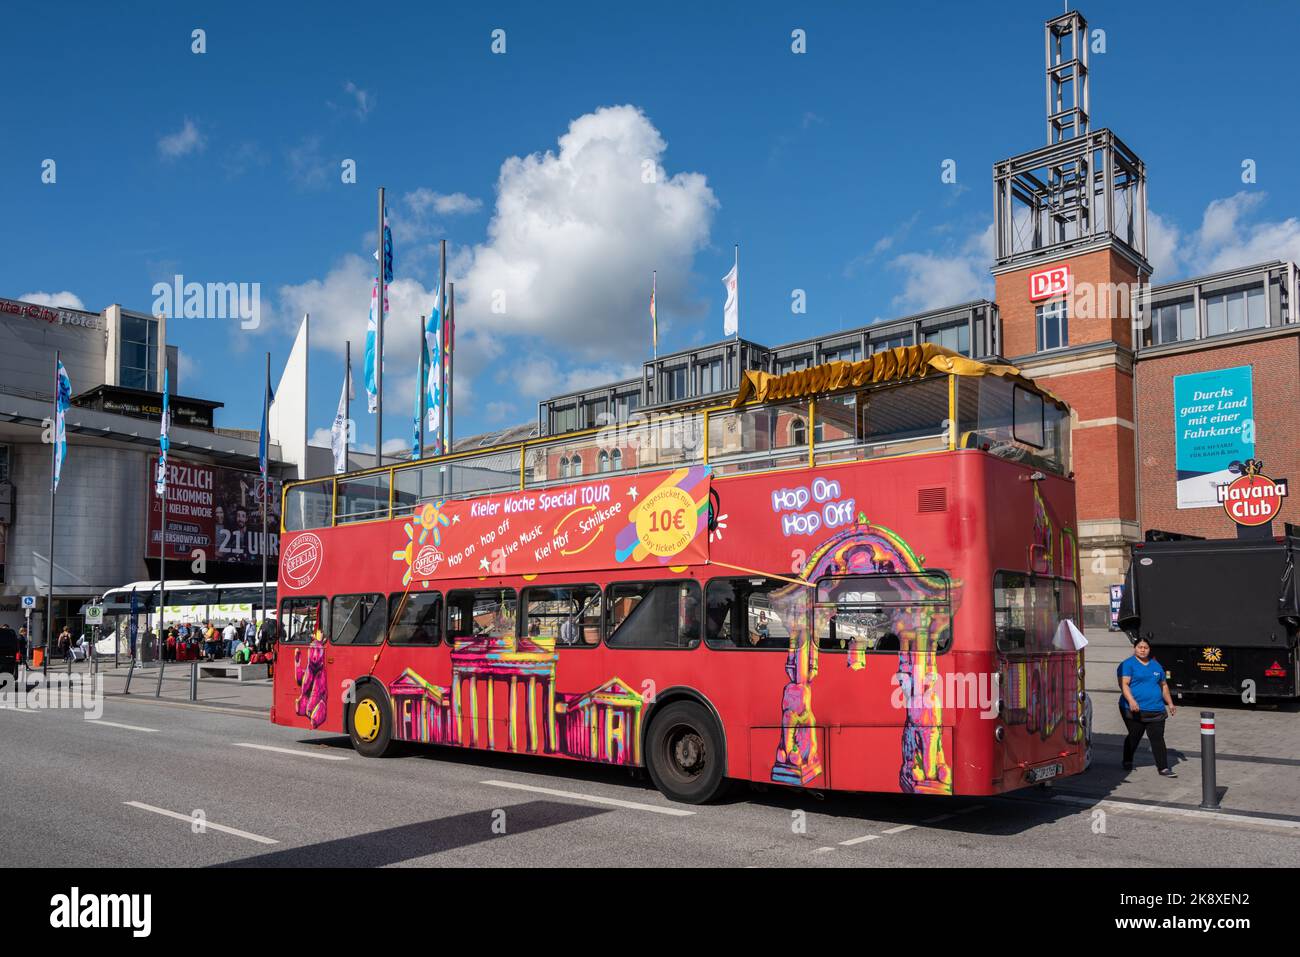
(55, 317)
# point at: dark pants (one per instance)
(1155, 732)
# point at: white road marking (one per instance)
(823, 850)
(1176, 811)
(114, 724)
(899, 829)
(208, 825)
(10, 707)
(297, 752)
(859, 840)
(573, 795)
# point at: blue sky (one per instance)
(825, 167)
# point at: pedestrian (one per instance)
(250, 632)
(65, 643)
(1144, 705)
(22, 643)
(228, 636)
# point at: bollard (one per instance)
(1209, 788)
(157, 692)
(194, 681)
(130, 670)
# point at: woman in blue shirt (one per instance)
(1144, 705)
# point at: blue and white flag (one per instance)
(433, 374)
(372, 390)
(62, 400)
(164, 443)
(263, 438)
(339, 431)
(388, 249)
(416, 450)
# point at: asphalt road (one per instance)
(164, 784)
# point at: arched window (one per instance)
(798, 432)
(564, 466)
(603, 461)
(577, 464)
(616, 458)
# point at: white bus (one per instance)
(187, 601)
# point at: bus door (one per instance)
(301, 695)
(1040, 677)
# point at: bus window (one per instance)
(654, 615)
(299, 620)
(570, 615)
(884, 613)
(1028, 610)
(357, 619)
(484, 612)
(418, 621)
(739, 613)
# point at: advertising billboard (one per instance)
(217, 510)
(1214, 414)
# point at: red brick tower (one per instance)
(1070, 224)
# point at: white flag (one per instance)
(731, 311)
(339, 431)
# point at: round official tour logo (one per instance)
(302, 560)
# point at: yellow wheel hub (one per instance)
(366, 719)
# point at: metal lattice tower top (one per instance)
(1066, 39)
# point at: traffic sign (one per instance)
(95, 615)
(29, 601)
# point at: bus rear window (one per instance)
(1028, 611)
(884, 613)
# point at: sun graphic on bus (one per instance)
(1212, 654)
(421, 556)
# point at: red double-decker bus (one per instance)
(861, 576)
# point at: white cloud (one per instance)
(361, 98)
(321, 438)
(308, 169)
(55, 300)
(932, 280)
(576, 233)
(184, 141)
(444, 204)
(1227, 238)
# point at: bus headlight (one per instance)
(999, 733)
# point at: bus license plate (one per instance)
(1042, 774)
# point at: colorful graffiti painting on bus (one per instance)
(603, 724)
(310, 677)
(919, 624)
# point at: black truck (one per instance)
(1218, 612)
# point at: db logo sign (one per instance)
(1252, 498)
(302, 560)
(1049, 282)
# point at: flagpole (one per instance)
(654, 312)
(163, 426)
(266, 462)
(347, 401)
(737, 290)
(419, 388)
(451, 361)
(379, 345)
(443, 439)
(54, 458)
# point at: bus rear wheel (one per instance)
(370, 725)
(685, 754)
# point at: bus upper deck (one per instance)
(901, 401)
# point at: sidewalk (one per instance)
(251, 696)
(1256, 753)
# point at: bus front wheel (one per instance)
(370, 724)
(685, 754)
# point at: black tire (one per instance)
(685, 753)
(370, 724)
